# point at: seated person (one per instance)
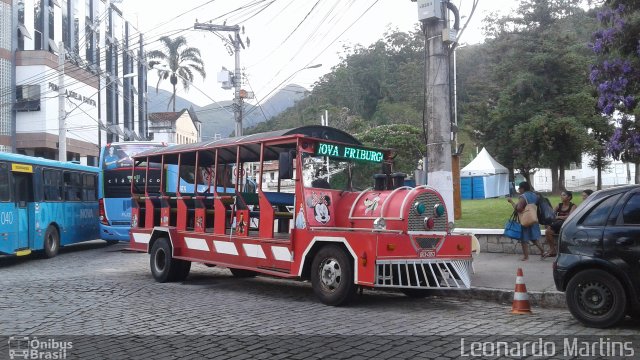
(320, 183)
(586, 193)
(562, 211)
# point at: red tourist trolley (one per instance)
(298, 204)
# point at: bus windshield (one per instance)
(118, 172)
(117, 163)
(121, 155)
(338, 174)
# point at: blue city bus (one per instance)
(45, 204)
(114, 194)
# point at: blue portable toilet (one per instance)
(466, 190)
(477, 184)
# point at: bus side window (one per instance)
(52, 185)
(5, 187)
(89, 189)
(73, 186)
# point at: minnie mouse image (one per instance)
(320, 204)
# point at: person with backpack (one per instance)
(529, 233)
(562, 211)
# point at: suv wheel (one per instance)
(596, 298)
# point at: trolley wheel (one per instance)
(164, 267)
(183, 269)
(51, 242)
(417, 293)
(242, 273)
(596, 298)
(332, 276)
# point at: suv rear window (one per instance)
(598, 215)
(631, 211)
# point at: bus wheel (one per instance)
(332, 276)
(51, 242)
(164, 267)
(241, 273)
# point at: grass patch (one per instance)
(493, 213)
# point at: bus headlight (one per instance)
(419, 207)
(379, 224)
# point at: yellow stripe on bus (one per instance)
(22, 168)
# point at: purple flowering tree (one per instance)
(616, 76)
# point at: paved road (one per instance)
(94, 289)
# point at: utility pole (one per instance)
(62, 114)
(433, 15)
(236, 42)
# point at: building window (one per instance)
(66, 32)
(76, 27)
(88, 32)
(27, 98)
(38, 24)
(52, 23)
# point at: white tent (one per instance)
(484, 177)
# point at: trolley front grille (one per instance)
(424, 274)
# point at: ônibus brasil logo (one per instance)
(25, 347)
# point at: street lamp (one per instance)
(311, 67)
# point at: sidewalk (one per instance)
(495, 278)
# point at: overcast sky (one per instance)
(285, 35)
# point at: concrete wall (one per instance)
(492, 241)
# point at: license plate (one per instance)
(427, 253)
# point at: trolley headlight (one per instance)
(419, 207)
(438, 210)
(379, 224)
(429, 223)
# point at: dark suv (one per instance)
(598, 263)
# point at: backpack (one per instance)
(546, 215)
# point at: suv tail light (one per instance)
(103, 215)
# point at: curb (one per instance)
(548, 299)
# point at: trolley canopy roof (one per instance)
(275, 141)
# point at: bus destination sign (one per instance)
(349, 152)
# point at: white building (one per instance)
(104, 77)
(579, 177)
(175, 127)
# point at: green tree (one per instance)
(538, 67)
(405, 140)
(181, 62)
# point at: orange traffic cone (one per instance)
(520, 296)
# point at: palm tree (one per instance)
(180, 60)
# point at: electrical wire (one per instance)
(321, 52)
